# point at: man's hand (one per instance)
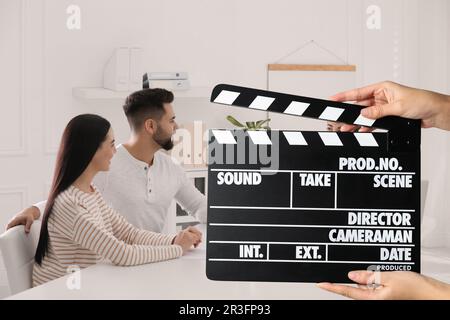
(26, 218)
(399, 285)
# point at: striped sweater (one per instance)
(83, 230)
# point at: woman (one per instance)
(78, 227)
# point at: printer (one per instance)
(166, 80)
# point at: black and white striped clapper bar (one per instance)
(311, 206)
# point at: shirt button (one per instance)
(145, 168)
(150, 190)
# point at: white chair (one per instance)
(18, 250)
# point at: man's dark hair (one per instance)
(144, 104)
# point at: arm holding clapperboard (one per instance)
(392, 99)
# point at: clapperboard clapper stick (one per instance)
(305, 206)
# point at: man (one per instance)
(142, 180)
(392, 99)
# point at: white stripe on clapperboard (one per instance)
(318, 243)
(335, 189)
(303, 226)
(295, 138)
(316, 171)
(310, 261)
(311, 209)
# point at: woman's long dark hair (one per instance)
(82, 137)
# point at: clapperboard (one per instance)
(311, 206)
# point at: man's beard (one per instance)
(166, 144)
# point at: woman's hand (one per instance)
(187, 238)
(399, 285)
(392, 99)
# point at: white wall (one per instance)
(434, 63)
(227, 41)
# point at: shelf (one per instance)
(86, 93)
(310, 67)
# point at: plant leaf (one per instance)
(250, 124)
(261, 122)
(235, 122)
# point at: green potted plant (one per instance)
(250, 125)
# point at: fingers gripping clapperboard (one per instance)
(311, 206)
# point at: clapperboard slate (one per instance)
(311, 206)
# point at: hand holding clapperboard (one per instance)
(311, 206)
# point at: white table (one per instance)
(185, 278)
